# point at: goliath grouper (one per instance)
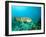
(23, 19)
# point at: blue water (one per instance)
(26, 11)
